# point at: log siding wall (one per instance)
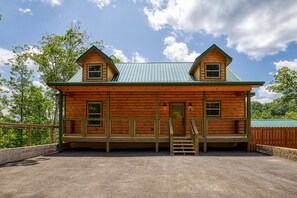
(126, 105)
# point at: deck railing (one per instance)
(194, 136)
(29, 129)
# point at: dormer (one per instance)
(96, 66)
(211, 65)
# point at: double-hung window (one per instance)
(212, 70)
(94, 71)
(94, 112)
(213, 108)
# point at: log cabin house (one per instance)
(178, 105)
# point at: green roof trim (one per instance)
(273, 123)
(114, 83)
(205, 52)
(107, 58)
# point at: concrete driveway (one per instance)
(147, 174)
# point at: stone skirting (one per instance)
(21, 153)
(283, 152)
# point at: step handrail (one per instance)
(194, 136)
(170, 127)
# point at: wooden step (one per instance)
(182, 141)
(183, 148)
(183, 152)
(182, 144)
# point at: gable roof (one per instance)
(155, 72)
(214, 46)
(107, 58)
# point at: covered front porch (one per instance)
(157, 126)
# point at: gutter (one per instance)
(220, 83)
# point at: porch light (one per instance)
(190, 107)
(164, 107)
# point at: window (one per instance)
(94, 111)
(94, 71)
(212, 70)
(213, 108)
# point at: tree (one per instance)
(285, 82)
(56, 56)
(19, 85)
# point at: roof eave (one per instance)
(254, 84)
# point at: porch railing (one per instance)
(152, 127)
(124, 127)
(225, 126)
(194, 136)
(170, 127)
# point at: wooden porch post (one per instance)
(157, 127)
(107, 124)
(248, 122)
(60, 120)
(204, 122)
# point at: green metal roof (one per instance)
(163, 72)
(274, 123)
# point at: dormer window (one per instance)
(94, 71)
(212, 70)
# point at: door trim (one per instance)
(184, 121)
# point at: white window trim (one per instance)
(100, 71)
(219, 71)
(213, 108)
(100, 114)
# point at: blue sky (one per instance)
(260, 36)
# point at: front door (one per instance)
(177, 114)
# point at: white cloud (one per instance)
(290, 64)
(25, 11)
(101, 3)
(178, 51)
(5, 55)
(256, 28)
(120, 55)
(39, 84)
(136, 58)
(263, 95)
(53, 3)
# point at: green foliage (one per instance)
(285, 82)
(56, 54)
(115, 59)
(19, 84)
(276, 109)
(26, 103)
